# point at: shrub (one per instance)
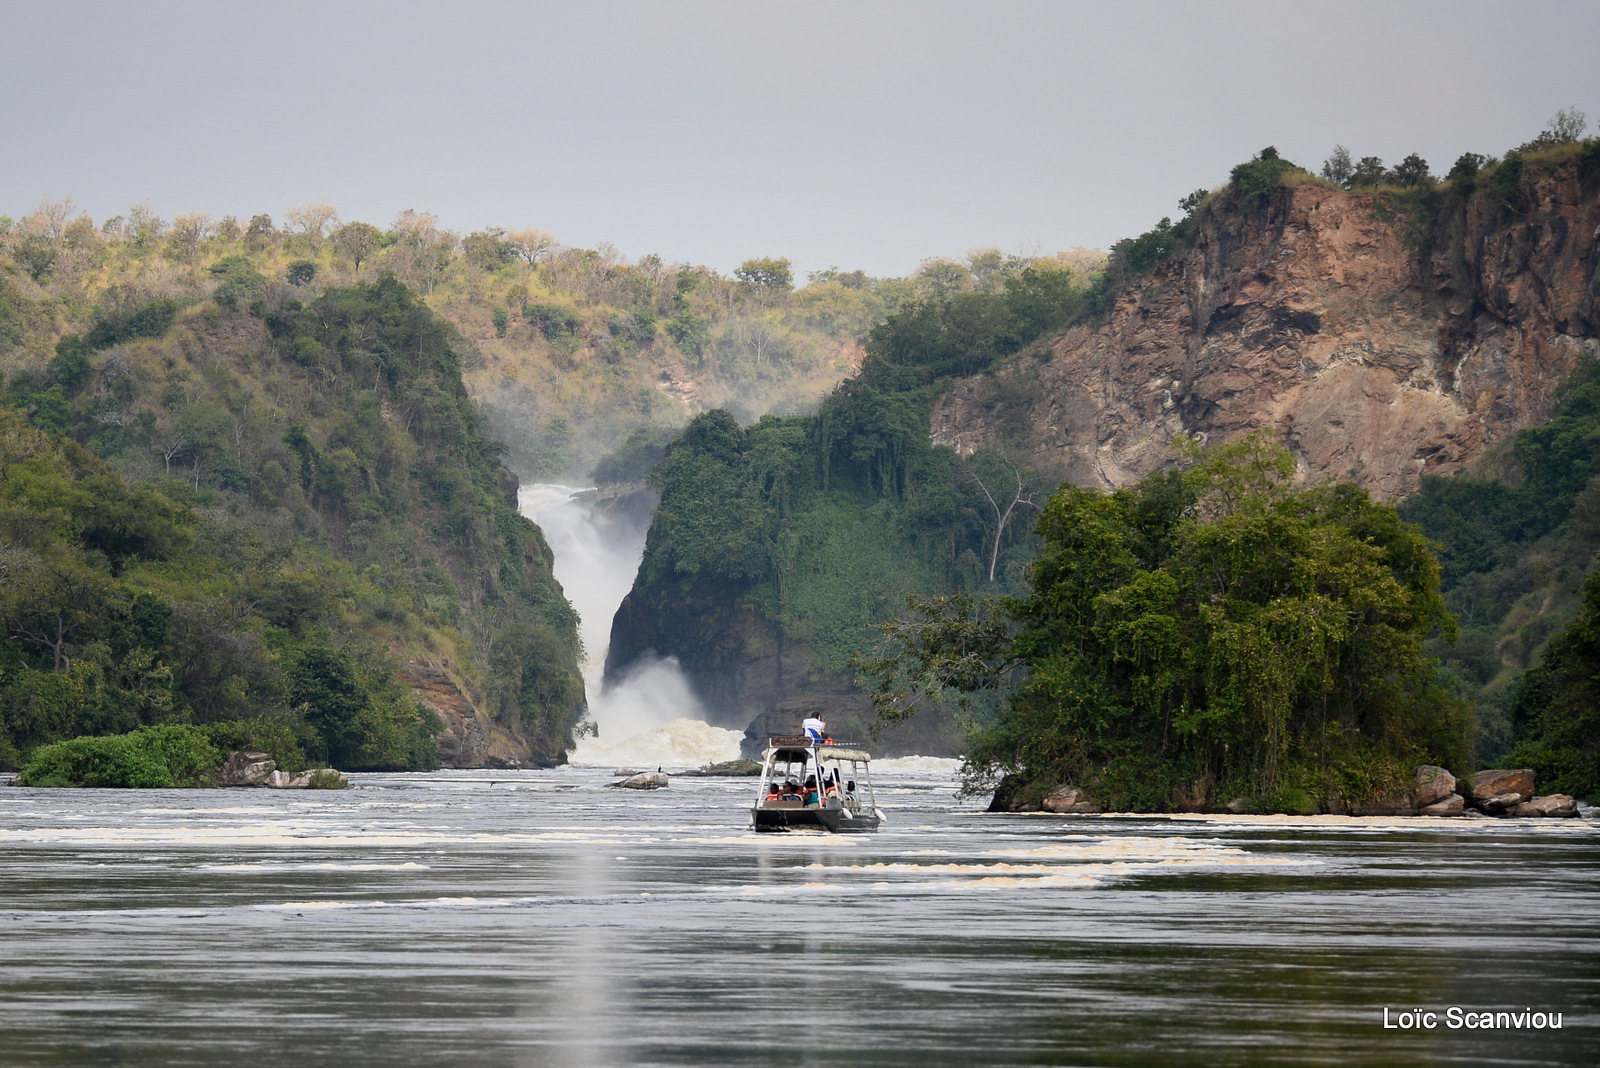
(151, 757)
(1261, 175)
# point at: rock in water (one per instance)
(1498, 804)
(247, 767)
(1068, 799)
(1433, 784)
(650, 780)
(1491, 784)
(1453, 805)
(310, 779)
(1558, 805)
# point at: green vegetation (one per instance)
(175, 755)
(263, 512)
(1515, 551)
(826, 523)
(151, 757)
(1555, 708)
(1202, 635)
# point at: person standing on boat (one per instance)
(814, 728)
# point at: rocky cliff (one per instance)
(735, 658)
(1381, 337)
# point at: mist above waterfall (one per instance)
(651, 714)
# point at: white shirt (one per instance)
(812, 723)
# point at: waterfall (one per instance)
(651, 716)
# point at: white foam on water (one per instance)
(944, 767)
(680, 744)
(271, 867)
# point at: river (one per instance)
(540, 918)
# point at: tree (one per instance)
(1368, 174)
(1001, 517)
(1261, 175)
(1338, 167)
(260, 233)
(768, 279)
(487, 250)
(48, 600)
(1566, 127)
(1411, 171)
(1210, 631)
(313, 220)
(189, 232)
(530, 246)
(358, 240)
(300, 273)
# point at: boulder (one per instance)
(1486, 784)
(1454, 805)
(1388, 803)
(1499, 804)
(1557, 805)
(649, 780)
(1065, 799)
(1191, 798)
(1433, 784)
(310, 779)
(1011, 794)
(247, 767)
(1238, 806)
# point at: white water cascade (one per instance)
(651, 716)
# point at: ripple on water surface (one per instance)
(542, 918)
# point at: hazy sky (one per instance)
(861, 134)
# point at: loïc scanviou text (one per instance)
(1457, 1018)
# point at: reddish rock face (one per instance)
(1485, 785)
(1433, 784)
(1310, 316)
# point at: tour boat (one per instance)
(806, 783)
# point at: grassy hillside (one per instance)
(272, 505)
(567, 350)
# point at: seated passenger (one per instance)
(811, 790)
(774, 790)
(814, 728)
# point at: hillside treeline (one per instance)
(567, 350)
(263, 509)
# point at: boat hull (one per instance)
(825, 819)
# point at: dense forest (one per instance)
(824, 524)
(820, 524)
(1516, 538)
(265, 508)
(1207, 634)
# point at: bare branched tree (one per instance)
(1002, 517)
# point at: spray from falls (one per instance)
(651, 716)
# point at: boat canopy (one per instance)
(833, 752)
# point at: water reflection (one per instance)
(540, 919)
